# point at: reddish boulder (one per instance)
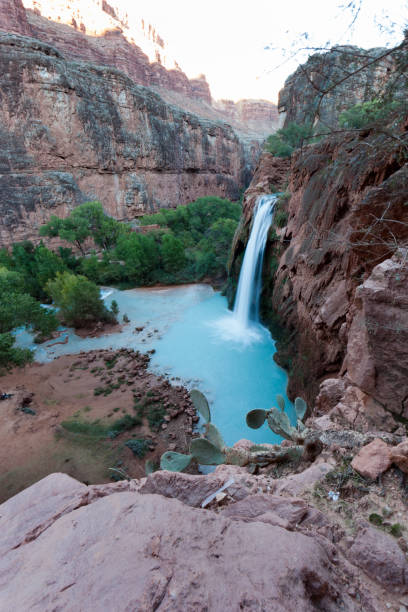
(399, 456)
(373, 459)
(380, 556)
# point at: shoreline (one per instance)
(98, 388)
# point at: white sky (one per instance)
(226, 39)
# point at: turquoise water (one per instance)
(192, 332)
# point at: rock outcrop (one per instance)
(338, 292)
(262, 551)
(72, 132)
(300, 99)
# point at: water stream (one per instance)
(199, 342)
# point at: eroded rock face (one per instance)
(300, 95)
(377, 354)
(326, 256)
(121, 547)
(13, 17)
(72, 132)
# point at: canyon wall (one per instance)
(300, 99)
(101, 32)
(336, 275)
(86, 115)
(72, 132)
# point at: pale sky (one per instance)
(227, 39)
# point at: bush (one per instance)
(79, 300)
(281, 218)
(286, 140)
(138, 446)
(367, 114)
(13, 356)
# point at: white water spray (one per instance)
(242, 325)
(246, 307)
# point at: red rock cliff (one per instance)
(341, 299)
(72, 131)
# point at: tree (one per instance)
(18, 308)
(11, 355)
(172, 254)
(141, 256)
(86, 221)
(79, 300)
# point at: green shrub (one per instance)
(138, 446)
(281, 218)
(11, 355)
(286, 140)
(97, 429)
(155, 417)
(367, 114)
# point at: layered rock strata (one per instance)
(101, 32)
(73, 132)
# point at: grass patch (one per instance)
(98, 430)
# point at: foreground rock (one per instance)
(373, 459)
(121, 547)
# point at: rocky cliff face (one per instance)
(337, 291)
(101, 32)
(299, 100)
(72, 132)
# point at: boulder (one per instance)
(127, 551)
(399, 456)
(373, 459)
(380, 556)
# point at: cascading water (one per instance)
(246, 307)
(242, 325)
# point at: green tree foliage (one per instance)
(34, 265)
(172, 253)
(213, 250)
(286, 140)
(197, 240)
(368, 114)
(78, 299)
(86, 221)
(18, 308)
(141, 257)
(11, 355)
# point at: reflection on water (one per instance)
(195, 343)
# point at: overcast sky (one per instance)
(228, 40)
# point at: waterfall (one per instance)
(246, 307)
